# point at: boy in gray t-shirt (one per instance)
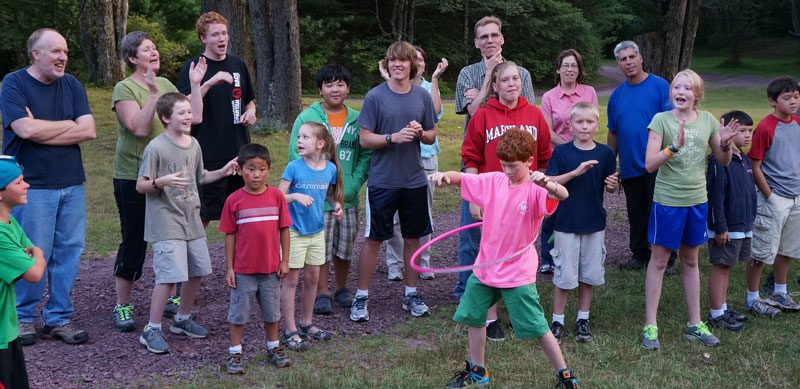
(172, 168)
(395, 117)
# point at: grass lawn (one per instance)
(762, 58)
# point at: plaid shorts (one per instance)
(340, 235)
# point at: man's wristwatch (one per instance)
(155, 186)
(389, 139)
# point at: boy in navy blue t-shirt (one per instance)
(585, 168)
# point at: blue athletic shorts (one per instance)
(672, 226)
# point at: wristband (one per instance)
(725, 147)
(673, 149)
(668, 152)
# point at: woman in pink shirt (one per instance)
(556, 104)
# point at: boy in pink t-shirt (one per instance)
(511, 203)
(255, 220)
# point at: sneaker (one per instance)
(413, 303)
(154, 340)
(783, 301)
(395, 273)
(582, 331)
(740, 317)
(188, 327)
(67, 333)
(494, 331)
(761, 308)
(650, 338)
(278, 358)
(567, 379)
(27, 333)
(358, 311)
(633, 264)
(725, 321)
(235, 364)
(558, 330)
(701, 333)
(546, 268)
(123, 318)
(471, 375)
(173, 302)
(426, 275)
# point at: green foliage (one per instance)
(172, 53)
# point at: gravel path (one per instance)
(110, 358)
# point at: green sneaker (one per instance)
(700, 333)
(173, 302)
(650, 338)
(123, 318)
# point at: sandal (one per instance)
(319, 335)
(294, 344)
(343, 298)
(322, 304)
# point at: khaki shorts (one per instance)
(579, 258)
(306, 249)
(776, 230)
(178, 260)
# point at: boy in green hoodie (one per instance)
(333, 84)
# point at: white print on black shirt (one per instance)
(236, 97)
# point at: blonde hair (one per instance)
(694, 80)
(320, 132)
(487, 20)
(584, 107)
(496, 72)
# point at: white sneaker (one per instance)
(395, 273)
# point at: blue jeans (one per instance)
(469, 242)
(548, 227)
(55, 221)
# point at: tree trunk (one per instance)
(286, 68)
(676, 15)
(689, 33)
(795, 4)
(240, 42)
(102, 26)
(651, 47)
(264, 42)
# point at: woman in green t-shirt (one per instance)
(134, 101)
(676, 147)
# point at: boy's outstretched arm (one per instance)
(35, 272)
(555, 190)
(227, 170)
(230, 252)
(451, 177)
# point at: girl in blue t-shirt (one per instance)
(676, 147)
(307, 182)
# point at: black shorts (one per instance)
(213, 195)
(410, 203)
(12, 366)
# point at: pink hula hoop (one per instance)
(458, 269)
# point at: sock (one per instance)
(582, 315)
(715, 313)
(724, 306)
(182, 317)
(413, 289)
(558, 318)
(779, 289)
(694, 325)
(751, 298)
(235, 349)
(154, 325)
(489, 322)
(271, 345)
(362, 292)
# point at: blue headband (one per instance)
(9, 170)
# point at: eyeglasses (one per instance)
(494, 35)
(569, 65)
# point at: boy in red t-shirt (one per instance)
(256, 222)
(514, 200)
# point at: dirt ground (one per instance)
(111, 358)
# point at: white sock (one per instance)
(779, 289)
(715, 313)
(154, 325)
(582, 315)
(235, 349)
(182, 317)
(362, 292)
(413, 289)
(489, 322)
(724, 307)
(752, 297)
(558, 318)
(271, 345)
